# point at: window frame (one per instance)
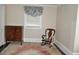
(26, 25)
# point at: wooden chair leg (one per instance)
(50, 45)
(43, 43)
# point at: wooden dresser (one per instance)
(13, 33)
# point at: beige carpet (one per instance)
(29, 49)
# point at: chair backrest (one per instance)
(49, 33)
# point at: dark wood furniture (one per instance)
(13, 33)
(48, 36)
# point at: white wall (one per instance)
(65, 26)
(14, 15)
(2, 24)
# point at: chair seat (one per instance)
(47, 38)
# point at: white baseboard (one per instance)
(32, 39)
(63, 48)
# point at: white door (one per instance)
(2, 23)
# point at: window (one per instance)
(31, 22)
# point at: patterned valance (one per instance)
(33, 10)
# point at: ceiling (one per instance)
(43, 5)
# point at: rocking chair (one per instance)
(47, 38)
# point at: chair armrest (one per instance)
(43, 36)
